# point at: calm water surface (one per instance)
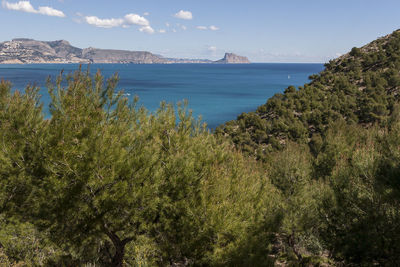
(217, 92)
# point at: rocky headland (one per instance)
(29, 51)
(231, 58)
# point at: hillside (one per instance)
(28, 51)
(360, 87)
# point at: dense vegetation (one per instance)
(310, 179)
(335, 142)
(361, 87)
(104, 182)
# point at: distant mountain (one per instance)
(26, 51)
(31, 51)
(231, 58)
(96, 55)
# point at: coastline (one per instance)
(134, 63)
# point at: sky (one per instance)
(262, 30)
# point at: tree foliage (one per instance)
(359, 88)
(103, 179)
(331, 148)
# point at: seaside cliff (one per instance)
(231, 58)
(29, 51)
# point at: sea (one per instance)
(216, 92)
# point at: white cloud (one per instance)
(79, 18)
(202, 28)
(173, 30)
(162, 31)
(125, 22)
(136, 19)
(212, 49)
(49, 11)
(104, 23)
(147, 29)
(146, 13)
(25, 6)
(184, 15)
(213, 28)
(167, 24)
(184, 27)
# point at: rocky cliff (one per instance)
(231, 58)
(27, 51)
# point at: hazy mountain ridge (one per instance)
(28, 51)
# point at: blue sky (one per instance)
(263, 30)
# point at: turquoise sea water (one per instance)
(217, 92)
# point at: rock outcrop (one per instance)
(231, 58)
